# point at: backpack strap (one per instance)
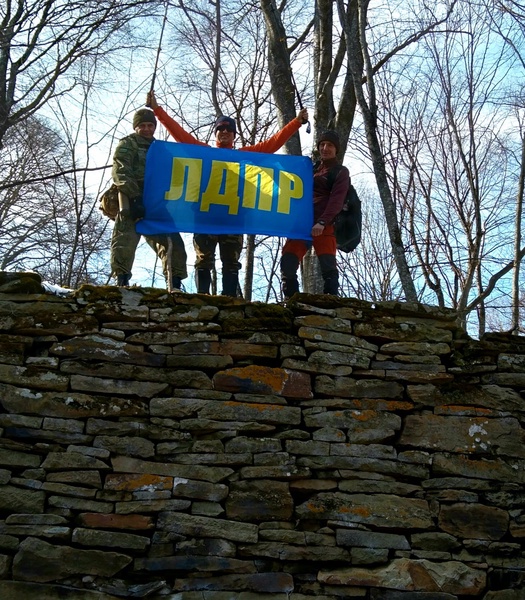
(332, 175)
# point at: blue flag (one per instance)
(199, 189)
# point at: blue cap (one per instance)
(228, 121)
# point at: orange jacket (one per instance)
(269, 146)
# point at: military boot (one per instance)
(230, 283)
(289, 266)
(328, 263)
(176, 284)
(123, 279)
(203, 281)
(331, 286)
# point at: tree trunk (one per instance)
(280, 70)
(359, 61)
(311, 274)
(328, 68)
(515, 323)
(249, 266)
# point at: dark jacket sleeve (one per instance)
(334, 198)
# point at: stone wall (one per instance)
(204, 448)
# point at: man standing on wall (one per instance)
(230, 245)
(328, 200)
(129, 164)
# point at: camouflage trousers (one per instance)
(124, 242)
(230, 248)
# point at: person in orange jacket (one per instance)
(230, 245)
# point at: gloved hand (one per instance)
(137, 209)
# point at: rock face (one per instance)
(205, 448)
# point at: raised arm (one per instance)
(280, 138)
(174, 129)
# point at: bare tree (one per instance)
(43, 225)
(512, 35)
(345, 64)
(89, 231)
(362, 70)
(43, 42)
(224, 71)
(266, 284)
(452, 164)
(369, 272)
(281, 47)
(516, 292)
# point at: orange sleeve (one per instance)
(277, 140)
(174, 129)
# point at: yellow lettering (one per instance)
(290, 187)
(185, 179)
(258, 187)
(222, 187)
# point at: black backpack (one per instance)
(348, 223)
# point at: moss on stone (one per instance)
(249, 325)
(156, 297)
(220, 301)
(20, 283)
(97, 293)
(272, 311)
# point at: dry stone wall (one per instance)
(204, 448)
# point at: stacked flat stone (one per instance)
(204, 448)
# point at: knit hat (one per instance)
(228, 121)
(144, 115)
(329, 136)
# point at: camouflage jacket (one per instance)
(129, 164)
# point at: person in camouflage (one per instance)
(230, 246)
(129, 164)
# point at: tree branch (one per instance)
(12, 184)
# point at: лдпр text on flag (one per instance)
(197, 189)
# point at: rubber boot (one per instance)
(230, 283)
(203, 281)
(289, 266)
(123, 279)
(328, 264)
